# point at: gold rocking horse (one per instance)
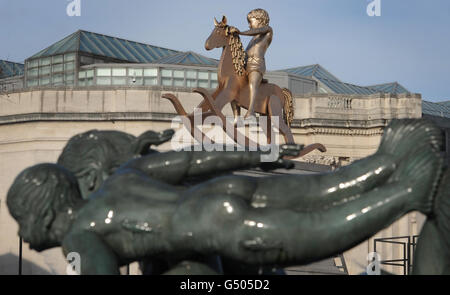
(233, 87)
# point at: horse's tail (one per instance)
(288, 106)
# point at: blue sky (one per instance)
(408, 43)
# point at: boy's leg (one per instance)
(254, 80)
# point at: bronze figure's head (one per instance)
(94, 155)
(35, 198)
(258, 18)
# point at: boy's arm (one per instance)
(251, 32)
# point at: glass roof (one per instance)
(445, 103)
(10, 69)
(316, 71)
(393, 87)
(188, 58)
(435, 109)
(103, 45)
(337, 86)
(345, 88)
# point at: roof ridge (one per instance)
(343, 82)
(46, 48)
(387, 83)
(120, 38)
(183, 56)
(314, 70)
(13, 62)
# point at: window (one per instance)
(57, 68)
(45, 61)
(82, 75)
(33, 82)
(214, 84)
(69, 77)
(137, 80)
(69, 66)
(33, 63)
(151, 81)
(203, 83)
(166, 81)
(191, 83)
(69, 57)
(136, 72)
(57, 59)
(119, 72)
(178, 82)
(150, 72)
(166, 73)
(44, 81)
(103, 72)
(44, 70)
(203, 75)
(103, 81)
(33, 72)
(178, 74)
(191, 74)
(119, 80)
(214, 76)
(90, 73)
(58, 79)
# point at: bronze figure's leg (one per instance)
(264, 235)
(254, 80)
(432, 253)
(236, 110)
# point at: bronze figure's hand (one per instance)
(233, 30)
(285, 150)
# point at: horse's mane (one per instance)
(238, 54)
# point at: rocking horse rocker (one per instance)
(233, 87)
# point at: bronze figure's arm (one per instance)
(95, 256)
(251, 32)
(173, 167)
(256, 31)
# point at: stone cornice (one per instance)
(321, 123)
(359, 96)
(100, 88)
(116, 116)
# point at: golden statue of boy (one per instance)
(258, 21)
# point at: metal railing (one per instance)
(407, 243)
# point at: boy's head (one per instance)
(35, 198)
(261, 16)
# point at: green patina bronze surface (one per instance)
(127, 203)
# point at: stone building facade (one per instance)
(110, 92)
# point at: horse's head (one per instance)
(218, 37)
